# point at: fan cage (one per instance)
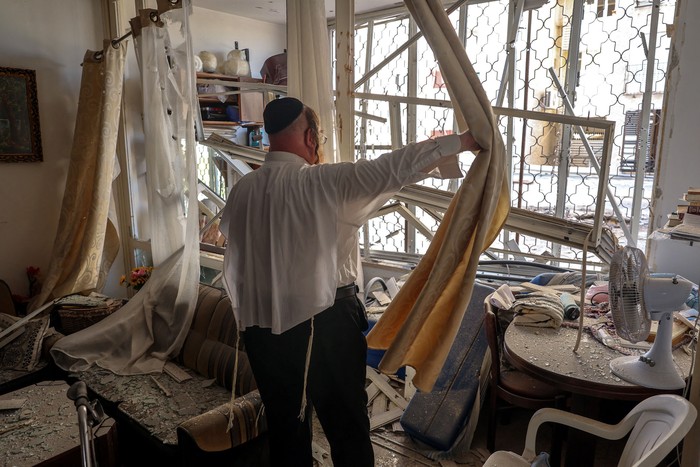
(628, 270)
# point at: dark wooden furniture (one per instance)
(547, 354)
(515, 387)
(44, 429)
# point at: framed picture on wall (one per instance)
(20, 136)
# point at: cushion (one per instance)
(210, 346)
(24, 352)
(209, 430)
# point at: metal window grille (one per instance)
(551, 171)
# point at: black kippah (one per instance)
(280, 113)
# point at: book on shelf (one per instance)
(688, 229)
(683, 209)
(689, 203)
(691, 197)
(674, 219)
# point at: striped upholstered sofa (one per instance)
(187, 421)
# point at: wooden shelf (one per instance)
(211, 100)
(250, 105)
(220, 123)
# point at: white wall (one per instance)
(678, 166)
(217, 33)
(51, 38)
(679, 155)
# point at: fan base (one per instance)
(635, 371)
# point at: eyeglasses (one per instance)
(321, 138)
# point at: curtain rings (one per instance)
(154, 16)
(117, 41)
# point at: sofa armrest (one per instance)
(208, 431)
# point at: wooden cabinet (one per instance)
(223, 102)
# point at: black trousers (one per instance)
(335, 386)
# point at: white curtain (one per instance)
(308, 63)
(153, 325)
(86, 240)
(309, 78)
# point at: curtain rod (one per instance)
(115, 42)
(154, 16)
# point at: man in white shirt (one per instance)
(291, 227)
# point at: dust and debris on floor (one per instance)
(36, 423)
(387, 399)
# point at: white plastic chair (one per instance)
(658, 424)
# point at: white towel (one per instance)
(539, 309)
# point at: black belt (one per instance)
(346, 291)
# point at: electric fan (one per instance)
(636, 299)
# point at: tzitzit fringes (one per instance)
(261, 411)
(302, 413)
(234, 380)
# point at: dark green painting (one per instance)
(20, 137)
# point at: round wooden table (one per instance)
(547, 354)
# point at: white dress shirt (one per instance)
(292, 228)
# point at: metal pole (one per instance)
(454, 184)
(411, 123)
(523, 136)
(363, 129)
(515, 12)
(570, 88)
(644, 117)
(85, 438)
(344, 78)
(78, 393)
(401, 48)
(594, 162)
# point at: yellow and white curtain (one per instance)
(87, 241)
(420, 325)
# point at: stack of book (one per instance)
(685, 221)
(689, 204)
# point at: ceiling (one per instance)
(274, 11)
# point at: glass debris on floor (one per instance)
(37, 423)
(157, 402)
(392, 446)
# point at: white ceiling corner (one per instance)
(274, 11)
